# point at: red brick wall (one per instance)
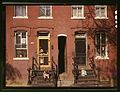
(61, 23)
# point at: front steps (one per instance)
(90, 80)
(63, 81)
(37, 79)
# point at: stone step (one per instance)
(92, 84)
(43, 85)
(65, 83)
(87, 76)
(87, 80)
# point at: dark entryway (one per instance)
(80, 49)
(61, 54)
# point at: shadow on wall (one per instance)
(12, 74)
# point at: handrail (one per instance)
(34, 63)
(56, 71)
(54, 63)
(92, 65)
(94, 68)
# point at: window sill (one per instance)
(77, 17)
(45, 17)
(98, 57)
(101, 17)
(20, 58)
(20, 17)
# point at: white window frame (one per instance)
(46, 17)
(106, 51)
(22, 58)
(77, 17)
(101, 6)
(22, 17)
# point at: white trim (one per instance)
(21, 58)
(21, 17)
(77, 17)
(44, 17)
(99, 57)
(80, 36)
(62, 35)
(101, 17)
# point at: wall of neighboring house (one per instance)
(60, 24)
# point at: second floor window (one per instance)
(101, 11)
(77, 11)
(20, 11)
(45, 11)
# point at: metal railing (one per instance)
(32, 72)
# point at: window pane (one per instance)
(18, 38)
(101, 44)
(46, 61)
(48, 11)
(98, 50)
(103, 51)
(43, 60)
(21, 53)
(20, 10)
(42, 11)
(97, 12)
(103, 12)
(24, 10)
(103, 38)
(98, 44)
(79, 11)
(98, 39)
(74, 11)
(44, 45)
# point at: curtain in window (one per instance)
(101, 44)
(45, 11)
(20, 10)
(20, 44)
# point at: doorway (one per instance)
(80, 48)
(43, 50)
(61, 54)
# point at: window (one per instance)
(20, 44)
(77, 11)
(101, 11)
(20, 11)
(45, 11)
(101, 44)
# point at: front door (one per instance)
(43, 50)
(61, 54)
(80, 48)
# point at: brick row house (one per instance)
(66, 39)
